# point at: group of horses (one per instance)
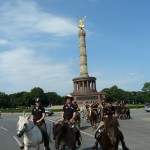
(63, 132)
(92, 115)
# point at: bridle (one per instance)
(24, 129)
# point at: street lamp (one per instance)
(135, 97)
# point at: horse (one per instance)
(64, 136)
(125, 113)
(78, 119)
(84, 113)
(110, 137)
(32, 134)
(92, 115)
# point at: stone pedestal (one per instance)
(85, 90)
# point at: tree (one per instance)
(4, 100)
(146, 87)
(38, 92)
(54, 98)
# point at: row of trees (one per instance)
(132, 97)
(28, 98)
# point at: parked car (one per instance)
(147, 106)
(49, 112)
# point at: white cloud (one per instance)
(3, 42)
(20, 18)
(22, 69)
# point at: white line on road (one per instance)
(4, 129)
(17, 141)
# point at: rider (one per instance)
(108, 111)
(76, 105)
(69, 114)
(95, 107)
(38, 115)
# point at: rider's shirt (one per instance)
(37, 113)
(76, 106)
(68, 111)
(109, 111)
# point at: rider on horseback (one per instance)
(108, 111)
(38, 115)
(69, 114)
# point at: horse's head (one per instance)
(111, 125)
(22, 125)
(59, 131)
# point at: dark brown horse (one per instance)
(78, 119)
(110, 137)
(64, 136)
(92, 116)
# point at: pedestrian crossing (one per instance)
(54, 119)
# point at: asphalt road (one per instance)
(136, 131)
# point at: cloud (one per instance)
(21, 18)
(3, 42)
(22, 69)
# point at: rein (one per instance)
(30, 128)
(26, 130)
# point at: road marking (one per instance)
(4, 129)
(17, 141)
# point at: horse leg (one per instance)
(26, 148)
(38, 147)
(62, 147)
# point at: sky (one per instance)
(39, 44)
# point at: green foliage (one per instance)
(128, 97)
(26, 99)
(146, 87)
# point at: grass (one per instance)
(58, 109)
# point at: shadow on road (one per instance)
(85, 127)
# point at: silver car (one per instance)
(49, 112)
(147, 107)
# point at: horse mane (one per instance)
(61, 127)
(110, 122)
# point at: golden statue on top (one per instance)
(81, 22)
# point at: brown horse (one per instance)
(92, 116)
(123, 112)
(64, 136)
(78, 119)
(110, 137)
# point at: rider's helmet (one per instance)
(37, 100)
(69, 96)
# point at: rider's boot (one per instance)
(124, 147)
(95, 145)
(78, 142)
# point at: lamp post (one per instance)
(135, 97)
(12, 111)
